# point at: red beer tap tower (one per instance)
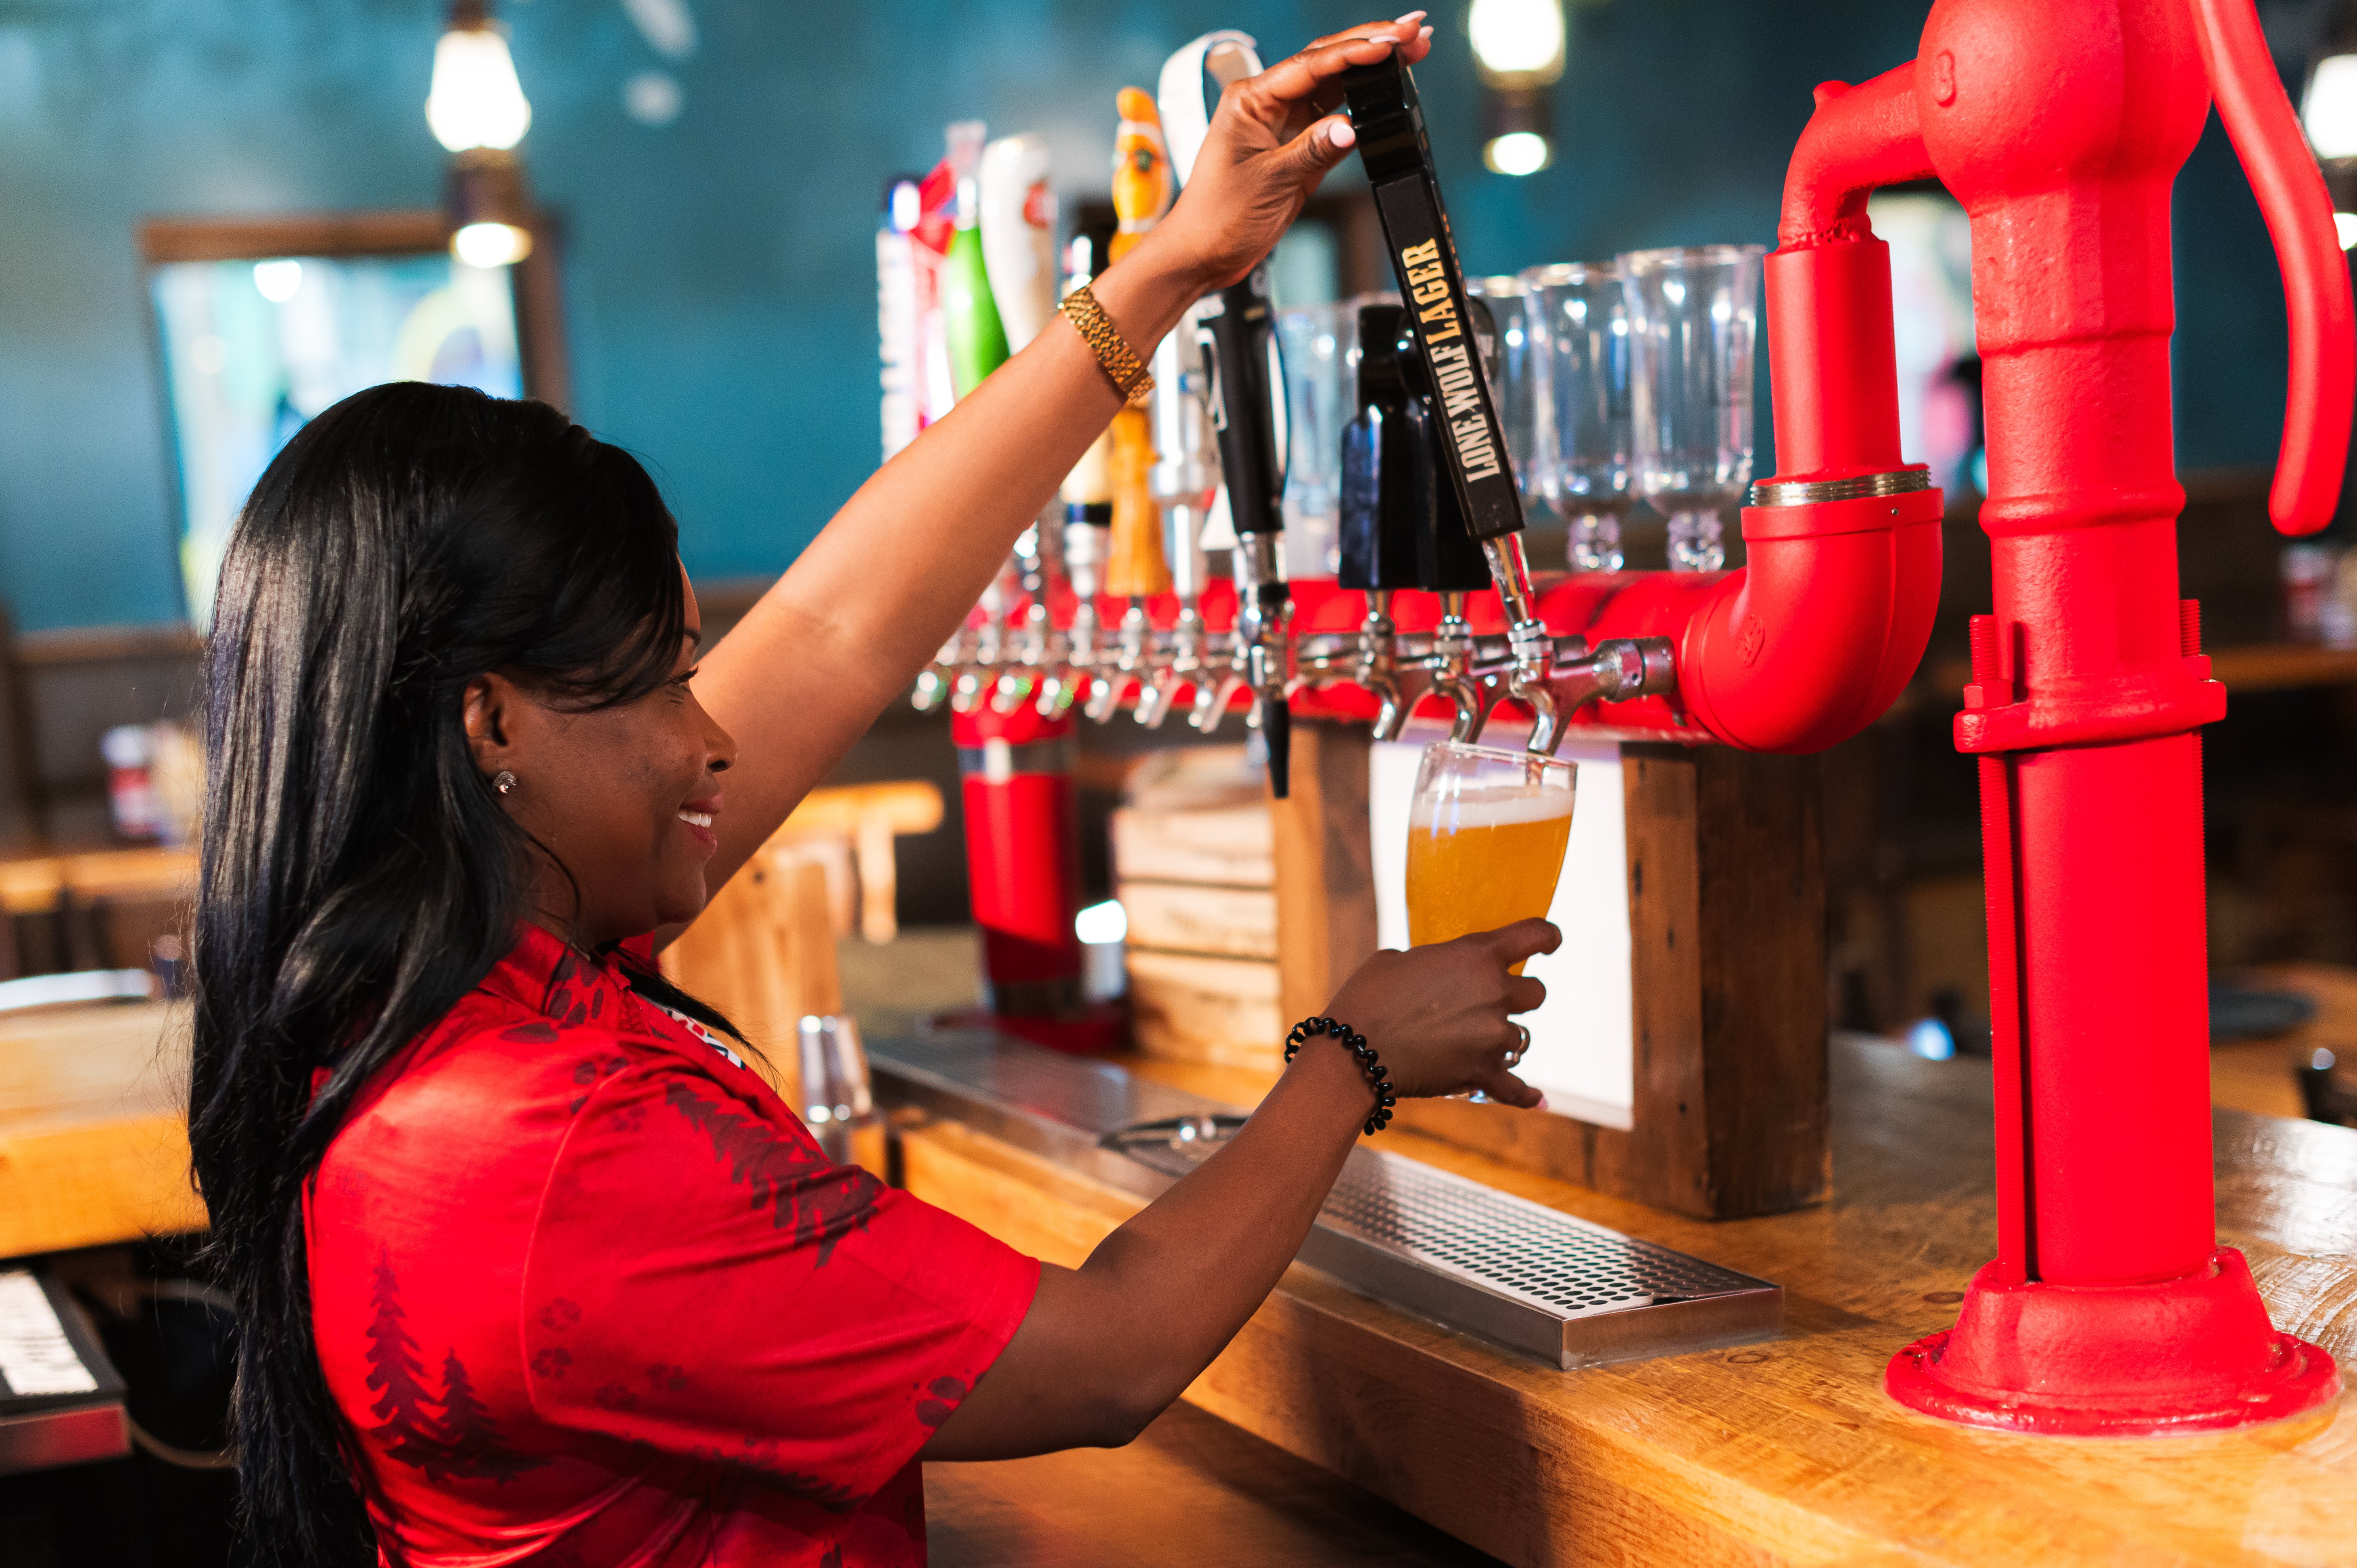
(2060, 125)
(2110, 1307)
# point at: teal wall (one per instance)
(720, 271)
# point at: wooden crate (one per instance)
(1191, 1008)
(1184, 918)
(1223, 847)
(1194, 863)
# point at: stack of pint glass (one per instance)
(1629, 380)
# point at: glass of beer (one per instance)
(1485, 840)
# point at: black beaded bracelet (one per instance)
(1310, 1028)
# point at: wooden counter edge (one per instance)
(91, 1183)
(1781, 1453)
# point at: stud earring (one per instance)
(503, 781)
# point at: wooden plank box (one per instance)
(1727, 913)
(1190, 1008)
(1178, 917)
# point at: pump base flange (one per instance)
(2196, 1353)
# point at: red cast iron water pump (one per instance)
(2110, 1307)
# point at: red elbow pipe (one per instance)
(1827, 621)
(1815, 636)
(1860, 138)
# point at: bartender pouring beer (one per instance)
(530, 1268)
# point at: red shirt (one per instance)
(587, 1293)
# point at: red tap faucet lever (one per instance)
(2266, 137)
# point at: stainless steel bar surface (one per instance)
(1436, 1243)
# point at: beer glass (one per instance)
(1517, 365)
(1582, 320)
(1485, 837)
(1318, 344)
(1694, 323)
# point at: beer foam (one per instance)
(1490, 809)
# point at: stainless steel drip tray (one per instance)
(1466, 1255)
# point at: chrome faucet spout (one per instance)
(1184, 665)
(1451, 663)
(1620, 670)
(1546, 723)
(1533, 644)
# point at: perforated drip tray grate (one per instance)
(1469, 1256)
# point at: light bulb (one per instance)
(1518, 38)
(491, 244)
(1518, 152)
(475, 100)
(2330, 111)
(1105, 922)
(281, 280)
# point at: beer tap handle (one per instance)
(1245, 397)
(1447, 559)
(1446, 325)
(1088, 518)
(1385, 507)
(1136, 568)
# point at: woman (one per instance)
(527, 1263)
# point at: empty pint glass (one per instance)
(1485, 840)
(1582, 324)
(1694, 323)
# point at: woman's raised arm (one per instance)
(849, 627)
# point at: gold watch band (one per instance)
(1119, 360)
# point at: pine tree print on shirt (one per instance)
(411, 1431)
(471, 1439)
(819, 1201)
(462, 1440)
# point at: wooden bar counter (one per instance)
(1785, 1451)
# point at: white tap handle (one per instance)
(1229, 56)
(1018, 235)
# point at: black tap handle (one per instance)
(1276, 729)
(1247, 400)
(1386, 503)
(1448, 559)
(1398, 159)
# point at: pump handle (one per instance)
(2267, 138)
(1178, 92)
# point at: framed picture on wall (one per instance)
(261, 324)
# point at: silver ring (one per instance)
(1514, 1055)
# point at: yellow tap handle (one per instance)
(1141, 169)
(1134, 565)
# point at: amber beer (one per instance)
(1486, 840)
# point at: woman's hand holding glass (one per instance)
(1440, 1017)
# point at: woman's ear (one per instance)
(487, 708)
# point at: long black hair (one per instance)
(358, 874)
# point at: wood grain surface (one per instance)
(1325, 869)
(1191, 1492)
(1783, 1452)
(93, 1135)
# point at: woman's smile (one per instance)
(698, 815)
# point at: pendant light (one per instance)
(1518, 50)
(476, 110)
